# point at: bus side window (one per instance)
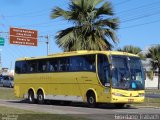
(73, 63)
(89, 63)
(24, 67)
(64, 64)
(51, 68)
(76, 63)
(53, 65)
(42, 65)
(32, 66)
(18, 67)
(83, 63)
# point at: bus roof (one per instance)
(81, 52)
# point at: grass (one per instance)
(9, 110)
(152, 91)
(150, 102)
(19, 114)
(7, 93)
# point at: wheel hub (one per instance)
(91, 100)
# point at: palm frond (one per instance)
(110, 22)
(90, 30)
(111, 34)
(58, 12)
(65, 37)
(154, 55)
(105, 9)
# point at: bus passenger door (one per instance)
(104, 75)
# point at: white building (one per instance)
(149, 84)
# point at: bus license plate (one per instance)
(130, 100)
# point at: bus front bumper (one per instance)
(119, 99)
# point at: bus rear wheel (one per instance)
(91, 100)
(31, 99)
(40, 97)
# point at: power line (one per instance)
(35, 13)
(123, 2)
(132, 26)
(29, 13)
(140, 12)
(38, 24)
(140, 7)
(140, 17)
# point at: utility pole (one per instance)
(47, 42)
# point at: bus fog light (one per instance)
(141, 94)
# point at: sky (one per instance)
(139, 25)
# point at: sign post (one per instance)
(23, 36)
(1, 41)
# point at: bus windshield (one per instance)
(127, 73)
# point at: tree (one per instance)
(133, 50)
(154, 55)
(130, 49)
(93, 28)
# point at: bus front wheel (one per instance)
(40, 97)
(91, 99)
(31, 99)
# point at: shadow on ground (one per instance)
(77, 104)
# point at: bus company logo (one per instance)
(130, 94)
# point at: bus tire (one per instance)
(31, 98)
(119, 105)
(91, 99)
(40, 97)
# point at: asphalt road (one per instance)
(106, 112)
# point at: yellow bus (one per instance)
(83, 76)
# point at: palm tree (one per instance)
(154, 55)
(93, 28)
(133, 50)
(130, 49)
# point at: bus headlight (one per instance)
(141, 94)
(117, 94)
